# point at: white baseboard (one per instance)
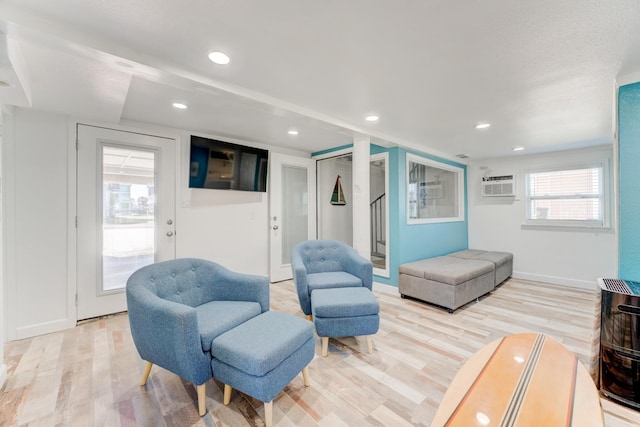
(41, 329)
(3, 375)
(553, 280)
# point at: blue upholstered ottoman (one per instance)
(345, 312)
(262, 355)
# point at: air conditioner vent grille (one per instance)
(498, 186)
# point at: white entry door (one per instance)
(125, 212)
(292, 209)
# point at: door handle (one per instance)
(275, 227)
(169, 233)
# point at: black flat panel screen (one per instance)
(227, 166)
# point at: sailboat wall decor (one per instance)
(337, 198)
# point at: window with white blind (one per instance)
(572, 196)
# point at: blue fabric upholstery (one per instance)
(322, 264)
(345, 312)
(169, 302)
(261, 356)
(332, 279)
(218, 317)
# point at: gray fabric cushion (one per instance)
(446, 269)
(260, 344)
(343, 302)
(332, 279)
(217, 317)
(498, 258)
(467, 253)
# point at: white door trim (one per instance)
(283, 272)
(72, 206)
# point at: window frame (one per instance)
(605, 199)
(459, 200)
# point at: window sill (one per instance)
(579, 228)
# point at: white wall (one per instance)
(3, 366)
(36, 194)
(563, 256)
(229, 227)
(335, 222)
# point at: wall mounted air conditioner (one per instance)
(499, 186)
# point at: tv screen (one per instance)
(227, 166)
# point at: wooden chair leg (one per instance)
(145, 374)
(305, 376)
(369, 344)
(268, 414)
(325, 346)
(202, 399)
(227, 394)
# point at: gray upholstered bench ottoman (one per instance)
(262, 355)
(345, 312)
(446, 281)
(503, 261)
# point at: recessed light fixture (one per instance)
(179, 105)
(483, 125)
(518, 148)
(372, 118)
(292, 132)
(219, 58)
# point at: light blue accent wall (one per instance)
(629, 178)
(416, 241)
(420, 241)
(331, 150)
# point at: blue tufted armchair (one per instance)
(323, 264)
(177, 307)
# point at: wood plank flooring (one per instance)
(89, 375)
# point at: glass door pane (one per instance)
(295, 209)
(128, 213)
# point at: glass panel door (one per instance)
(295, 212)
(292, 209)
(128, 213)
(125, 213)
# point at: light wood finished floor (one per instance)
(90, 375)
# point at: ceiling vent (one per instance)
(499, 186)
(462, 156)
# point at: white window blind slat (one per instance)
(571, 195)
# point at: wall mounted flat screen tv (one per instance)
(227, 166)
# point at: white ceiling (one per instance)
(542, 72)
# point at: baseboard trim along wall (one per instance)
(41, 329)
(562, 281)
(3, 374)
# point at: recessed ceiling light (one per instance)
(483, 125)
(179, 105)
(372, 118)
(518, 148)
(292, 132)
(219, 58)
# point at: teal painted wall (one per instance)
(420, 241)
(411, 242)
(629, 178)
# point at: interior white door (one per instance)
(292, 209)
(125, 212)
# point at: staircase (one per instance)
(378, 232)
